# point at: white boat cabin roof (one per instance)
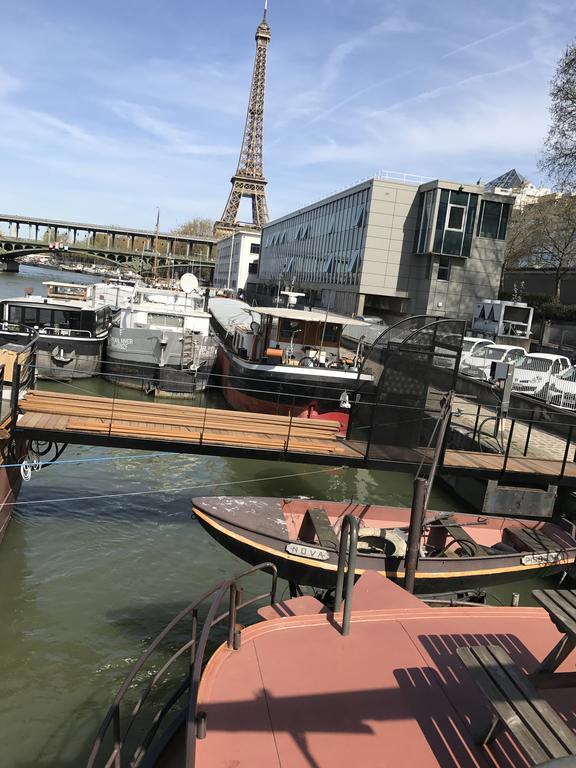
(307, 316)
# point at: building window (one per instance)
(254, 247)
(353, 261)
(456, 217)
(455, 223)
(425, 213)
(444, 268)
(493, 220)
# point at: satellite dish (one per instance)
(188, 282)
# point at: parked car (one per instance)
(534, 372)
(471, 345)
(562, 389)
(478, 365)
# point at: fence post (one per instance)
(14, 395)
(508, 444)
(476, 424)
(286, 445)
(528, 433)
(566, 451)
(415, 532)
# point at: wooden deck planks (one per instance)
(51, 411)
(178, 424)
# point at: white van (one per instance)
(478, 365)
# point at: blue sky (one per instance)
(109, 109)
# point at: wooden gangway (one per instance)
(99, 420)
(92, 420)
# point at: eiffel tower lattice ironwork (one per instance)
(249, 181)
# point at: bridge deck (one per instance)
(91, 420)
(98, 420)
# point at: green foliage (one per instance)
(535, 300)
(552, 310)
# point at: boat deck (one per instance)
(391, 693)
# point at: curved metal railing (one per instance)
(196, 647)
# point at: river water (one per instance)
(102, 551)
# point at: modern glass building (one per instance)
(386, 247)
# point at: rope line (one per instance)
(177, 489)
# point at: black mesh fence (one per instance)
(413, 365)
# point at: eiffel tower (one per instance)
(249, 181)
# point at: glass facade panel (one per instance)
(441, 220)
(321, 242)
(490, 219)
(455, 223)
(424, 221)
(452, 242)
(504, 221)
(493, 221)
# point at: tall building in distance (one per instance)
(249, 181)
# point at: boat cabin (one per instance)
(68, 291)
(286, 336)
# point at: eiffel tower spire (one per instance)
(249, 181)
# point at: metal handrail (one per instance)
(346, 562)
(197, 648)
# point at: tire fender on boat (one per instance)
(64, 358)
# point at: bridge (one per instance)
(61, 419)
(24, 235)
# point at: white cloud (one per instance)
(173, 138)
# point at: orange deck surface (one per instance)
(391, 693)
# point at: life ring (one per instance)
(61, 357)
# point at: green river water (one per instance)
(101, 554)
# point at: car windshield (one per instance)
(468, 344)
(492, 353)
(568, 375)
(539, 364)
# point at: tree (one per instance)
(559, 157)
(519, 242)
(200, 227)
(550, 226)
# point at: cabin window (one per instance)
(290, 327)
(166, 321)
(44, 317)
(331, 333)
(65, 319)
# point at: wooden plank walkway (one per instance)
(75, 416)
(92, 420)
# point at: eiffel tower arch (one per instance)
(249, 180)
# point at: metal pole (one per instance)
(566, 451)
(14, 395)
(476, 424)
(415, 532)
(230, 262)
(508, 444)
(528, 434)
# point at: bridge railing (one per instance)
(542, 433)
(166, 678)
